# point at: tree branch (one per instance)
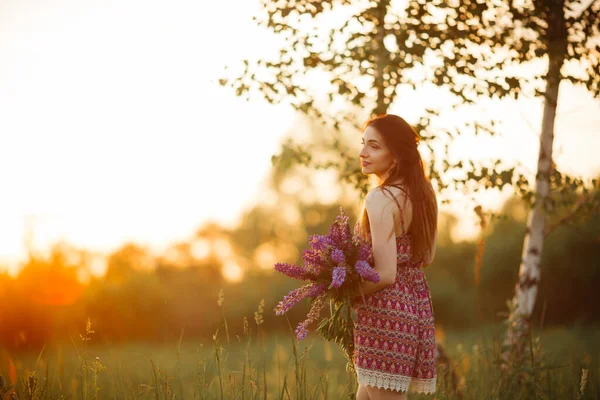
(570, 216)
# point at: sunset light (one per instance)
(132, 134)
(299, 198)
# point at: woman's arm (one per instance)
(381, 223)
(368, 287)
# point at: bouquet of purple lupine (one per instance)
(335, 265)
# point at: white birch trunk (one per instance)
(529, 270)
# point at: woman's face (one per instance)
(375, 156)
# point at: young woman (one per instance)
(394, 335)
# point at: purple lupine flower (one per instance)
(315, 289)
(346, 237)
(312, 316)
(364, 269)
(301, 331)
(319, 242)
(330, 255)
(313, 261)
(339, 231)
(310, 256)
(294, 272)
(293, 297)
(364, 252)
(337, 256)
(339, 274)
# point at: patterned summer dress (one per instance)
(394, 341)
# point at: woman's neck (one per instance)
(398, 182)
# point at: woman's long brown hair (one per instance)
(402, 141)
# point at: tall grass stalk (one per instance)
(217, 355)
(178, 366)
(155, 380)
(220, 302)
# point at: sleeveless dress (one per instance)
(394, 336)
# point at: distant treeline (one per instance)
(45, 302)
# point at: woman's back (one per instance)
(402, 208)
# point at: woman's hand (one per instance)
(358, 297)
(354, 304)
(354, 301)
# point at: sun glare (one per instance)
(118, 135)
(264, 256)
(232, 271)
(124, 134)
(200, 248)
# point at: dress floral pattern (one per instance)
(394, 337)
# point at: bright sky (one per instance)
(112, 127)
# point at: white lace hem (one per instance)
(384, 380)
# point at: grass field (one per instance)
(212, 368)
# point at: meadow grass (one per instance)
(562, 363)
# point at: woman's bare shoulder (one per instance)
(383, 202)
(384, 196)
(379, 195)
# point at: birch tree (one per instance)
(509, 33)
(565, 38)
